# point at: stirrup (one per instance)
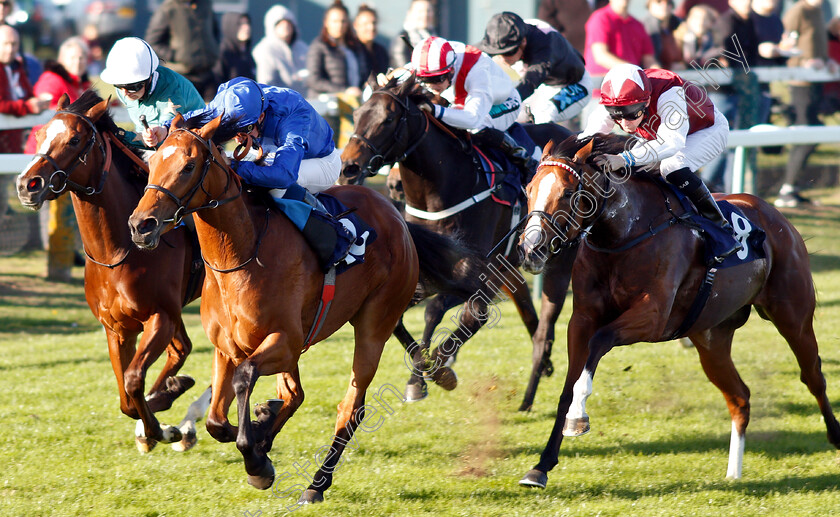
(726, 254)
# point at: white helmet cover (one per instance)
(130, 60)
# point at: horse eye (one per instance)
(568, 193)
(189, 167)
(74, 140)
(389, 118)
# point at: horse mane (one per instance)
(90, 98)
(228, 128)
(603, 143)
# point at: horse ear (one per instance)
(96, 111)
(210, 128)
(177, 122)
(547, 149)
(585, 151)
(63, 101)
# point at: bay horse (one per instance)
(129, 292)
(439, 176)
(638, 273)
(263, 287)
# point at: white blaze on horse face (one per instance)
(168, 151)
(581, 391)
(533, 229)
(55, 128)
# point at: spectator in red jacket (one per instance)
(15, 99)
(66, 75)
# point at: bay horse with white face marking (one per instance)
(438, 175)
(263, 288)
(130, 292)
(632, 283)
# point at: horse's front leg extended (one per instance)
(217, 423)
(157, 333)
(642, 322)
(168, 387)
(273, 355)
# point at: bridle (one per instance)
(182, 202)
(378, 160)
(60, 178)
(559, 242)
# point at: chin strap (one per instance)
(246, 144)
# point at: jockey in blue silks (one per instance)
(292, 144)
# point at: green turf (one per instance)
(658, 445)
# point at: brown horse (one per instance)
(128, 291)
(262, 289)
(440, 178)
(638, 273)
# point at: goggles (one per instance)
(133, 87)
(631, 112)
(435, 79)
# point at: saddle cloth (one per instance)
(338, 238)
(717, 240)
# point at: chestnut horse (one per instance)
(128, 291)
(438, 173)
(638, 273)
(263, 287)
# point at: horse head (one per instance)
(64, 146)
(564, 198)
(186, 174)
(386, 130)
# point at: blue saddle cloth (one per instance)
(353, 234)
(495, 165)
(718, 240)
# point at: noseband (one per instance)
(60, 178)
(379, 160)
(182, 202)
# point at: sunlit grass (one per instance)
(658, 445)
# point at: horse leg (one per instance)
(157, 334)
(370, 336)
(557, 275)
(121, 351)
(471, 317)
(217, 424)
(273, 414)
(434, 365)
(714, 348)
(195, 411)
(168, 386)
(579, 332)
(630, 327)
(794, 321)
(415, 388)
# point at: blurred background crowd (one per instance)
(321, 47)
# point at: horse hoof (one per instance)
(445, 378)
(310, 496)
(534, 479)
(144, 445)
(576, 426)
(416, 392)
(188, 441)
(526, 406)
(265, 478)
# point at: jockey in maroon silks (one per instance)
(679, 127)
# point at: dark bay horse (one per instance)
(636, 277)
(263, 287)
(129, 292)
(439, 176)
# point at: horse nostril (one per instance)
(35, 184)
(147, 226)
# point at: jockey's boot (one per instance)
(693, 187)
(517, 154)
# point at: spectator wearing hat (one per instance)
(281, 53)
(554, 85)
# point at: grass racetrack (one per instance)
(658, 446)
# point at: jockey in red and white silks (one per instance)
(480, 92)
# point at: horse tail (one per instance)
(447, 265)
